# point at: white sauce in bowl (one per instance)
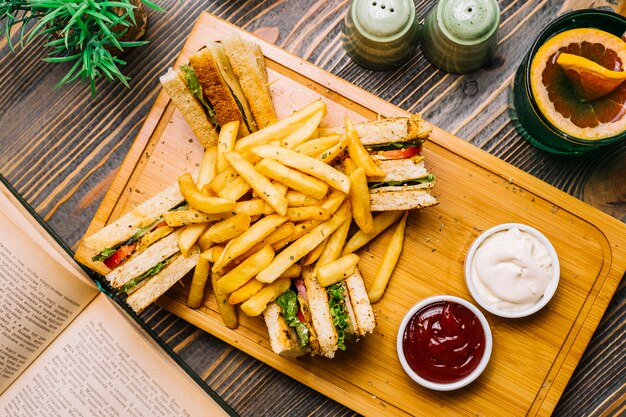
(511, 270)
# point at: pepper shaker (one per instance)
(460, 36)
(380, 34)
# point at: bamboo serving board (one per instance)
(532, 359)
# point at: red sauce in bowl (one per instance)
(444, 342)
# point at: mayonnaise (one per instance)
(511, 269)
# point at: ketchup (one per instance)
(444, 342)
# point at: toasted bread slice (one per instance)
(402, 197)
(216, 90)
(283, 338)
(400, 169)
(163, 281)
(248, 64)
(320, 314)
(365, 320)
(193, 112)
(391, 130)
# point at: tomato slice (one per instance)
(119, 255)
(402, 153)
(159, 225)
(301, 316)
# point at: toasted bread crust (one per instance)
(190, 108)
(216, 90)
(320, 313)
(391, 130)
(402, 198)
(248, 64)
(360, 302)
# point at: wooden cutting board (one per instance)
(533, 358)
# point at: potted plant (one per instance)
(88, 35)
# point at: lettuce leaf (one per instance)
(288, 301)
(393, 146)
(149, 273)
(428, 178)
(337, 304)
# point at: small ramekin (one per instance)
(437, 386)
(550, 289)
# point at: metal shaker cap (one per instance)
(383, 20)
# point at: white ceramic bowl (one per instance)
(550, 289)
(452, 385)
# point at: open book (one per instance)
(68, 349)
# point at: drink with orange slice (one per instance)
(569, 93)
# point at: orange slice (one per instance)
(589, 79)
(562, 101)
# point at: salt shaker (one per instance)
(460, 36)
(380, 34)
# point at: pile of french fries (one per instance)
(282, 197)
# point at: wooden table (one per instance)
(61, 149)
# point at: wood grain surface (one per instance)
(61, 149)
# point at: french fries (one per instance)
(198, 282)
(315, 147)
(381, 222)
(226, 143)
(189, 236)
(333, 272)
(306, 164)
(360, 200)
(242, 243)
(282, 128)
(389, 261)
(226, 310)
(294, 252)
(245, 271)
(267, 203)
(359, 154)
(259, 183)
(255, 305)
(227, 229)
(296, 180)
(200, 201)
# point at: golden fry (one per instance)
(259, 183)
(348, 166)
(189, 236)
(331, 154)
(294, 252)
(250, 207)
(381, 222)
(151, 237)
(334, 200)
(312, 256)
(184, 217)
(292, 178)
(222, 180)
(200, 201)
(283, 231)
(298, 214)
(207, 169)
(360, 200)
(198, 282)
(245, 291)
(306, 164)
(359, 154)
(305, 131)
(256, 304)
(297, 199)
(242, 243)
(227, 229)
(226, 143)
(335, 243)
(315, 147)
(389, 261)
(226, 310)
(300, 230)
(337, 270)
(235, 190)
(282, 128)
(245, 271)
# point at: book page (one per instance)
(39, 298)
(100, 366)
(15, 211)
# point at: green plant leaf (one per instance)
(42, 22)
(153, 6)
